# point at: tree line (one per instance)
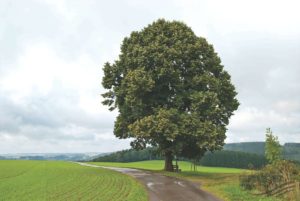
(237, 155)
(234, 159)
(131, 155)
(290, 151)
(219, 158)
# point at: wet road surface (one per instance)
(163, 188)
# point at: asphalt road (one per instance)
(163, 188)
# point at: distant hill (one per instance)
(52, 156)
(248, 147)
(2, 158)
(291, 151)
(245, 152)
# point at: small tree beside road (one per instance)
(273, 149)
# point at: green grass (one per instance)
(223, 185)
(49, 180)
(222, 182)
(159, 164)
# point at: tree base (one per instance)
(169, 162)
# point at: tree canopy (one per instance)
(171, 91)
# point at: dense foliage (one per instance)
(271, 176)
(233, 159)
(130, 155)
(171, 91)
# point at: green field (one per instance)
(222, 182)
(50, 180)
(159, 164)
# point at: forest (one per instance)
(245, 155)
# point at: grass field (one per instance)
(222, 182)
(159, 164)
(46, 180)
(223, 185)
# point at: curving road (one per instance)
(163, 188)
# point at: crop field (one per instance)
(50, 180)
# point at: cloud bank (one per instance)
(52, 52)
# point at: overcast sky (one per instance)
(52, 53)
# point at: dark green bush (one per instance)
(271, 176)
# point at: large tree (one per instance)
(171, 91)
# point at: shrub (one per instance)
(248, 182)
(271, 176)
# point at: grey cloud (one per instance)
(265, 68)
(51, 116)
(23, 22)
(96, 27)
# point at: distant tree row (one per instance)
(243, 155)
(218, 158)
(290, 151)
(233, 159)
(248, 147)
(131, 155)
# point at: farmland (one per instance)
(50, 180)
(222, 182)
(54, 180)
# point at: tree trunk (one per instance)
(168, 161)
